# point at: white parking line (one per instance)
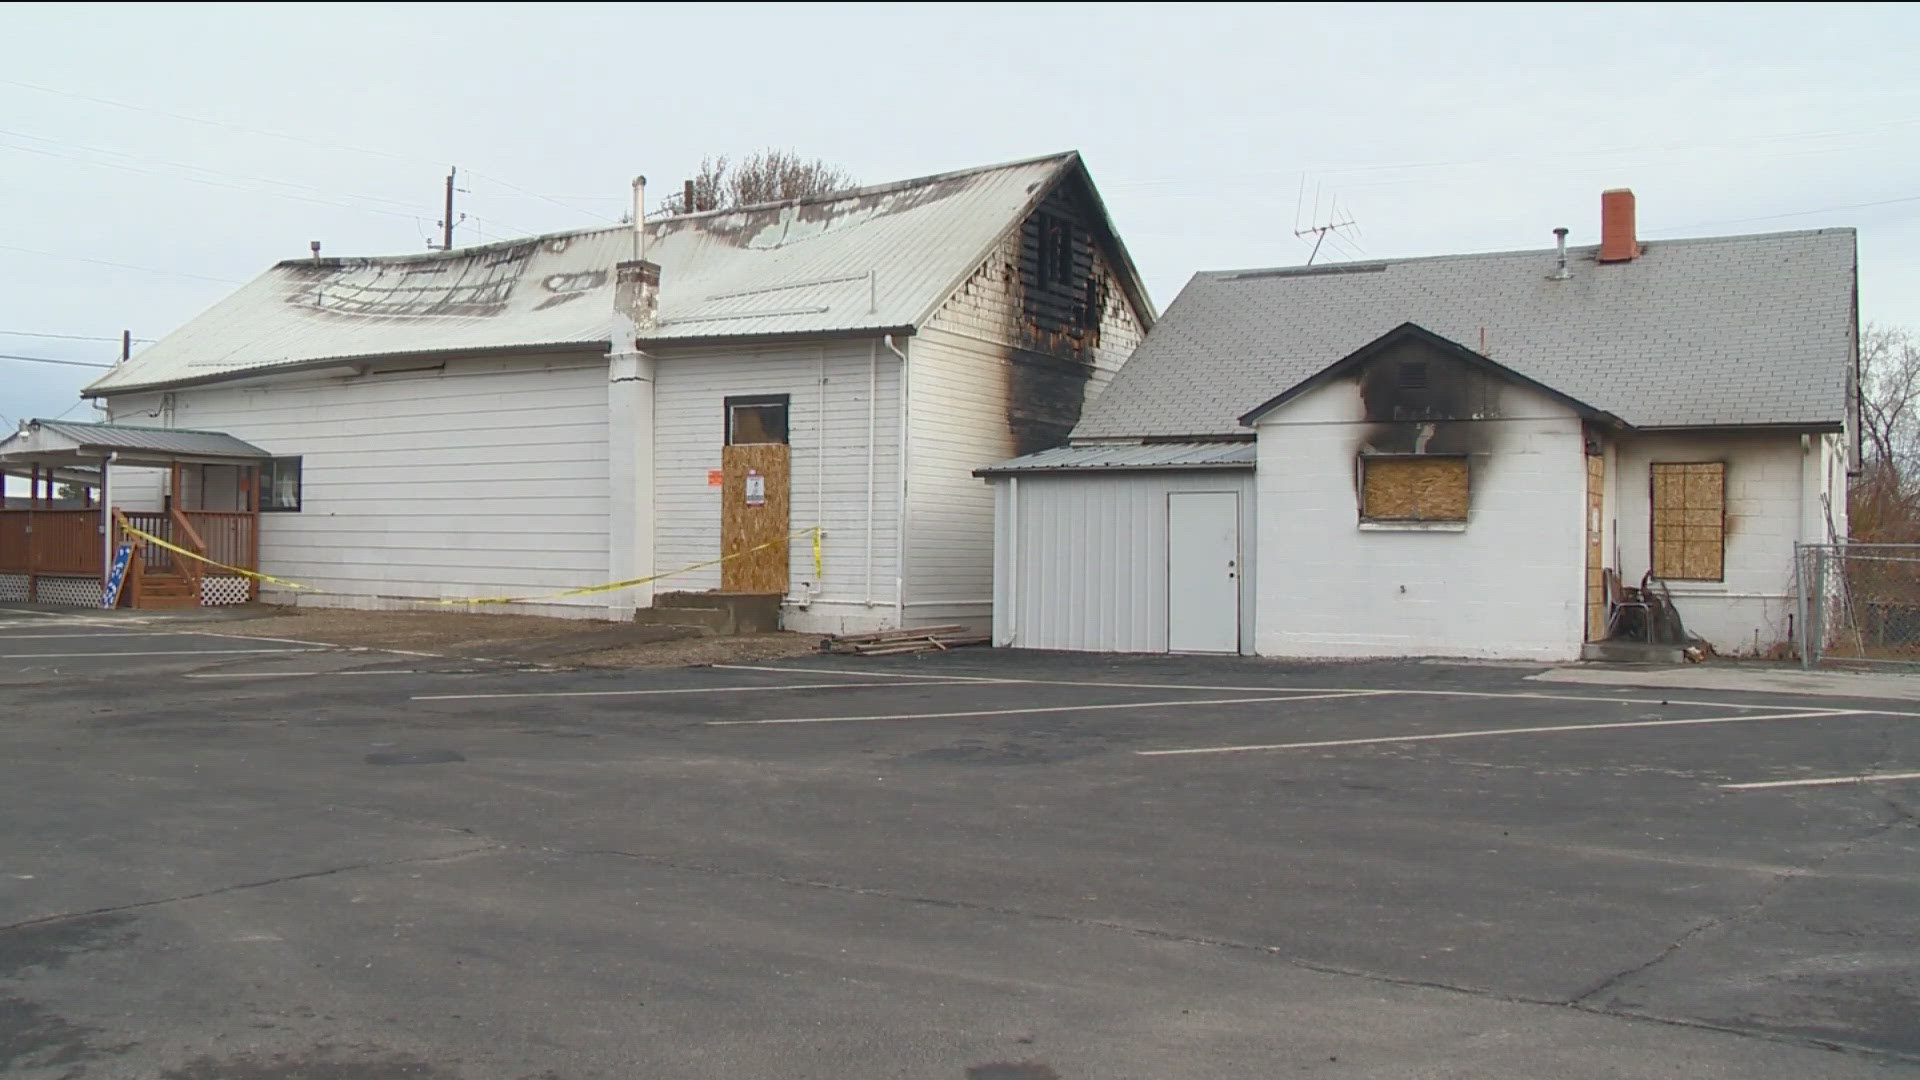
(296, 674)
(182, 652)
(1826, 781)
(136, 633)
(1553, 728)
(860, 674)
(1517, 695)
(1045, 709)
(674, 690)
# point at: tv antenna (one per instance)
(1332, 226)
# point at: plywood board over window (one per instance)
(1689, 520)
(1414, 488)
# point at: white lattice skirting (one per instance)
(13, 587)
(216, 591)
(71, 591)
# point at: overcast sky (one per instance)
(196, 146)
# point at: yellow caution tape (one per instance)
(614, 586)
(178, 550)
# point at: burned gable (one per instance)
(1062, 294)
(1422, 399)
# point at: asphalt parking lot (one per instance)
(255, 859)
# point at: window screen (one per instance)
(761, 419)
(1689, 520)
(280, 484)
(1421, 488)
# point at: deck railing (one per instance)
(50, 542)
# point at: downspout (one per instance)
(1013, 562)
(820, 475)
(873, 383)
(106, 524)
(900, 520)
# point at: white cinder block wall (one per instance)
(843, 412)
(960, 387)
(487, 477)
(1511, 585)
(1774, 485)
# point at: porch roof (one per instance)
(67, 443)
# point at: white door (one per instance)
(1203, 571)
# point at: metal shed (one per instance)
(1125, 548)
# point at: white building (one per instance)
(1452, 456)
(541, 415)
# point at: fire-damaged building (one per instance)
(782, 400)
(1497, 455)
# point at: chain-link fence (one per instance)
(1859, 603)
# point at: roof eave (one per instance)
(1214, 466)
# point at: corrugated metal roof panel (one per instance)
(145, 440)
(1708, 332)
(1130, 456)
(874, 258)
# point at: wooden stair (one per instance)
(164, 590)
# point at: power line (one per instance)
(285, 136)
(71, 337)
(120, 265)
(51, 360)
(1790, 214)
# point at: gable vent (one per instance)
(1413, 374)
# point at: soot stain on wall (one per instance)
(1420, 400)
(1061, 296)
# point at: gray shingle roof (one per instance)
(1735, 330)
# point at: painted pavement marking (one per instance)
(1485, 732)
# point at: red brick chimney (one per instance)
(1618, 242)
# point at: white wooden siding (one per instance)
(1082, 561)
(829, 432)
(958, 421)
(486, 478)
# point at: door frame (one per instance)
(1239, 573)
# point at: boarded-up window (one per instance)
(1420, 488)
(1689, 520)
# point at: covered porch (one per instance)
(58, 543)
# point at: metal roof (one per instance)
(1723, 331)
(1127, 457)
(875, 259)
(64, 440)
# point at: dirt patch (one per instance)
(531, 638)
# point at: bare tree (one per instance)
(1883, 503)
(768, 175)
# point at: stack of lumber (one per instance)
(919, 639)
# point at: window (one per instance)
(1056, 251)
(280, 484)
(1689, 520)
(1421, 487)
(759, 419)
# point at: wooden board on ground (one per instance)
(753, 518)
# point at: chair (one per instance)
(1617, 602)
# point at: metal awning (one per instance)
(67, 444)
(1129, 457)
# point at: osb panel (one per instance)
(1415, 488)
(745, 528)
(1689, 520)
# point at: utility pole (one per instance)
(446, 223)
